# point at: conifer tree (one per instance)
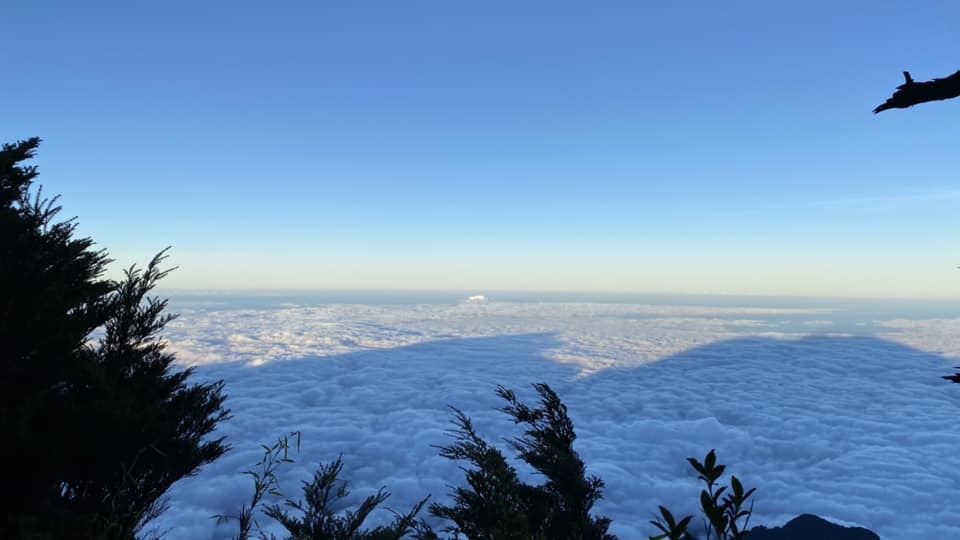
(95, 431)
(495, 504)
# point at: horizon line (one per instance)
(551, 292)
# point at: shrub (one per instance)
(722, 514)
(497, 505)
(317, 520)
(314, 518)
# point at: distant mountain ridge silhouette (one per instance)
(809, 527)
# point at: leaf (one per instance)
(667, 516)
(718, 472)
(705, 502)
(660, 526)
(716, 494)
(710, 461)
(737, 487)
(699, 467)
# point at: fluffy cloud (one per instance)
(858, 429)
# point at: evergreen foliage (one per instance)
(314, 517)
(494, 504)
(318, 521)
(497, 505)
(97, 430)
(265, 482)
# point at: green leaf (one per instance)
(710, 461)
(667, 516)
(716, 494)
(705, 502)
(697, 466)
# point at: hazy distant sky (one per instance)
(616, 146)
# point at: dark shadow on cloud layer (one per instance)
(855, 429)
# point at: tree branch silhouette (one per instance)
(911, 93)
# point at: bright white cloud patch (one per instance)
(857, 428)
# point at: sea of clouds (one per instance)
(849, 421)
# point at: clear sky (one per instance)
(723, 147)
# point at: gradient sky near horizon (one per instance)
(617, 146)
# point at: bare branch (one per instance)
(911, 93)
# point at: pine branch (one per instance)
(911, 93)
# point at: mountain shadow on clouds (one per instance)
(437, 373)
(825, 374)
(856, 430)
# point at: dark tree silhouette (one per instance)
(911, 93)
(94, 432)
(495, 504)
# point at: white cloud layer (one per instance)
(857, 428)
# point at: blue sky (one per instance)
(623, 146)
